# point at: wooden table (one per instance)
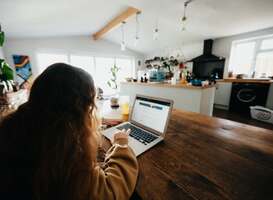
(208, 158)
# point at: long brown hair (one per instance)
(52, 137)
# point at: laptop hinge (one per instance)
(144, 129)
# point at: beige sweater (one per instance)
(115, 180)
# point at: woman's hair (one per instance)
(53, 137)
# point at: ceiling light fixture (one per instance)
(156, 31)
(122, 45)
(137, 29)
(184, 18)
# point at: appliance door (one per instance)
(245, 95)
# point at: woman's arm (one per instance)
(117, 179)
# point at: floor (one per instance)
(240, 118)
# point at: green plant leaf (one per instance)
(112, 83)
(7, 72)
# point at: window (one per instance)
(84, 62)
(253, 56)
(98, 67)
(45, 59)
(242, 58)
(267, 44)
(126, 70)
(264, 64)
(103, 73)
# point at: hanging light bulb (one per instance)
(136, 41)
(137, 30)
(156, 31)
(184, 18)
(122, 45)
(156, 34)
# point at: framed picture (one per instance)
(23, 68)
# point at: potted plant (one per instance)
(112, 83)
(6, 72)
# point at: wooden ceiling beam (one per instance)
(115, 22)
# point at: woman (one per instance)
(48, 147)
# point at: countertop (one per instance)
(168, 85)
(245, 80)
(208, 158)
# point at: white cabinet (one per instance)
(192, 99)
(222, 95)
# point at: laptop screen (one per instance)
(151, 113)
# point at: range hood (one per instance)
(207, 55)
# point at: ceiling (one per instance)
(206, 19)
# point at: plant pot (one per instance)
(169, 75)
(114, 102)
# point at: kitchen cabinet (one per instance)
(222, 95)
(185, 97)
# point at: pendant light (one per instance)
(137, 29)
(156, 31)
(184, 18)
(122, 44)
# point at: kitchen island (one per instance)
(186, 97)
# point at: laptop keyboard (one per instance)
(139, 134)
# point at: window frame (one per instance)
(56, 52)
(93, 57)
(257, 50)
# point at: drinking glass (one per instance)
(125, 107)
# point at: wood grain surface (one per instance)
(169, 85)
(208, 158)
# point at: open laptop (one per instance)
(148, 123)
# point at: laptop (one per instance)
(148, 122)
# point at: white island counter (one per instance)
(185, 97)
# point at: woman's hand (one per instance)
(121, 137)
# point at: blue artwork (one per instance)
(23, 68)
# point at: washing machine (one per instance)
(244, 95)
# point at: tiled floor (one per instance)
(240, 118)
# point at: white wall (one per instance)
(71, 44)
(1, 53)
(186, 52)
